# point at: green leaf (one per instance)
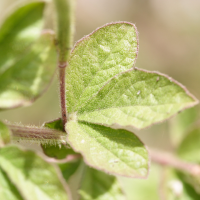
(96, 185)
(114, 151)
(8, 191)
(98, 57)
(137, 98)
(142, 189)
(5, 134)
(174, 187)
(27, 79)
(189, 148)
(18, 32)
(69, 168)
(27, 60)
(33, 177)
(54, 124)
(58, 152)
(189, 151)
(180, 124)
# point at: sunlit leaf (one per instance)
(27, 58)
(98, 57)
(114, 151)
(8, 191)
(136, 98)
(31, 175)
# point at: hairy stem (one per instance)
(65, 30)
(37, 135)
(168, 159)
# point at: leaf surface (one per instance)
(33, 177)
(69, 168)
(96, 185)
(5, 134)
(27, 60)
(18, 32)
(8, 191)
(117, 152)
(136, 98)
(98, 57)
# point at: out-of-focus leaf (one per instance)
(136, 98)
(18, 32)
(56, 151)
(136, 189)
(69, 168)
(117, 152)
(31, 175)
(96, 185)
(54, 124)
(98, 57)
(175, 188)
(27, 79)
(27, 61)
(180, 124)
(189, 150)
(5, 134)
(8, 191)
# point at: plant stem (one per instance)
(65, 30)
(37, 135)
(168, 159)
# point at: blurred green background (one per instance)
(169, 38)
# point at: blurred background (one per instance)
(169, 38)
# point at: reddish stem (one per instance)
(61, 68)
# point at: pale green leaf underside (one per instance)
(32, 176)
(138, 98)
(27, 79)
(98, 57)
(96, 185)
(5, 134)
(115, 151)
